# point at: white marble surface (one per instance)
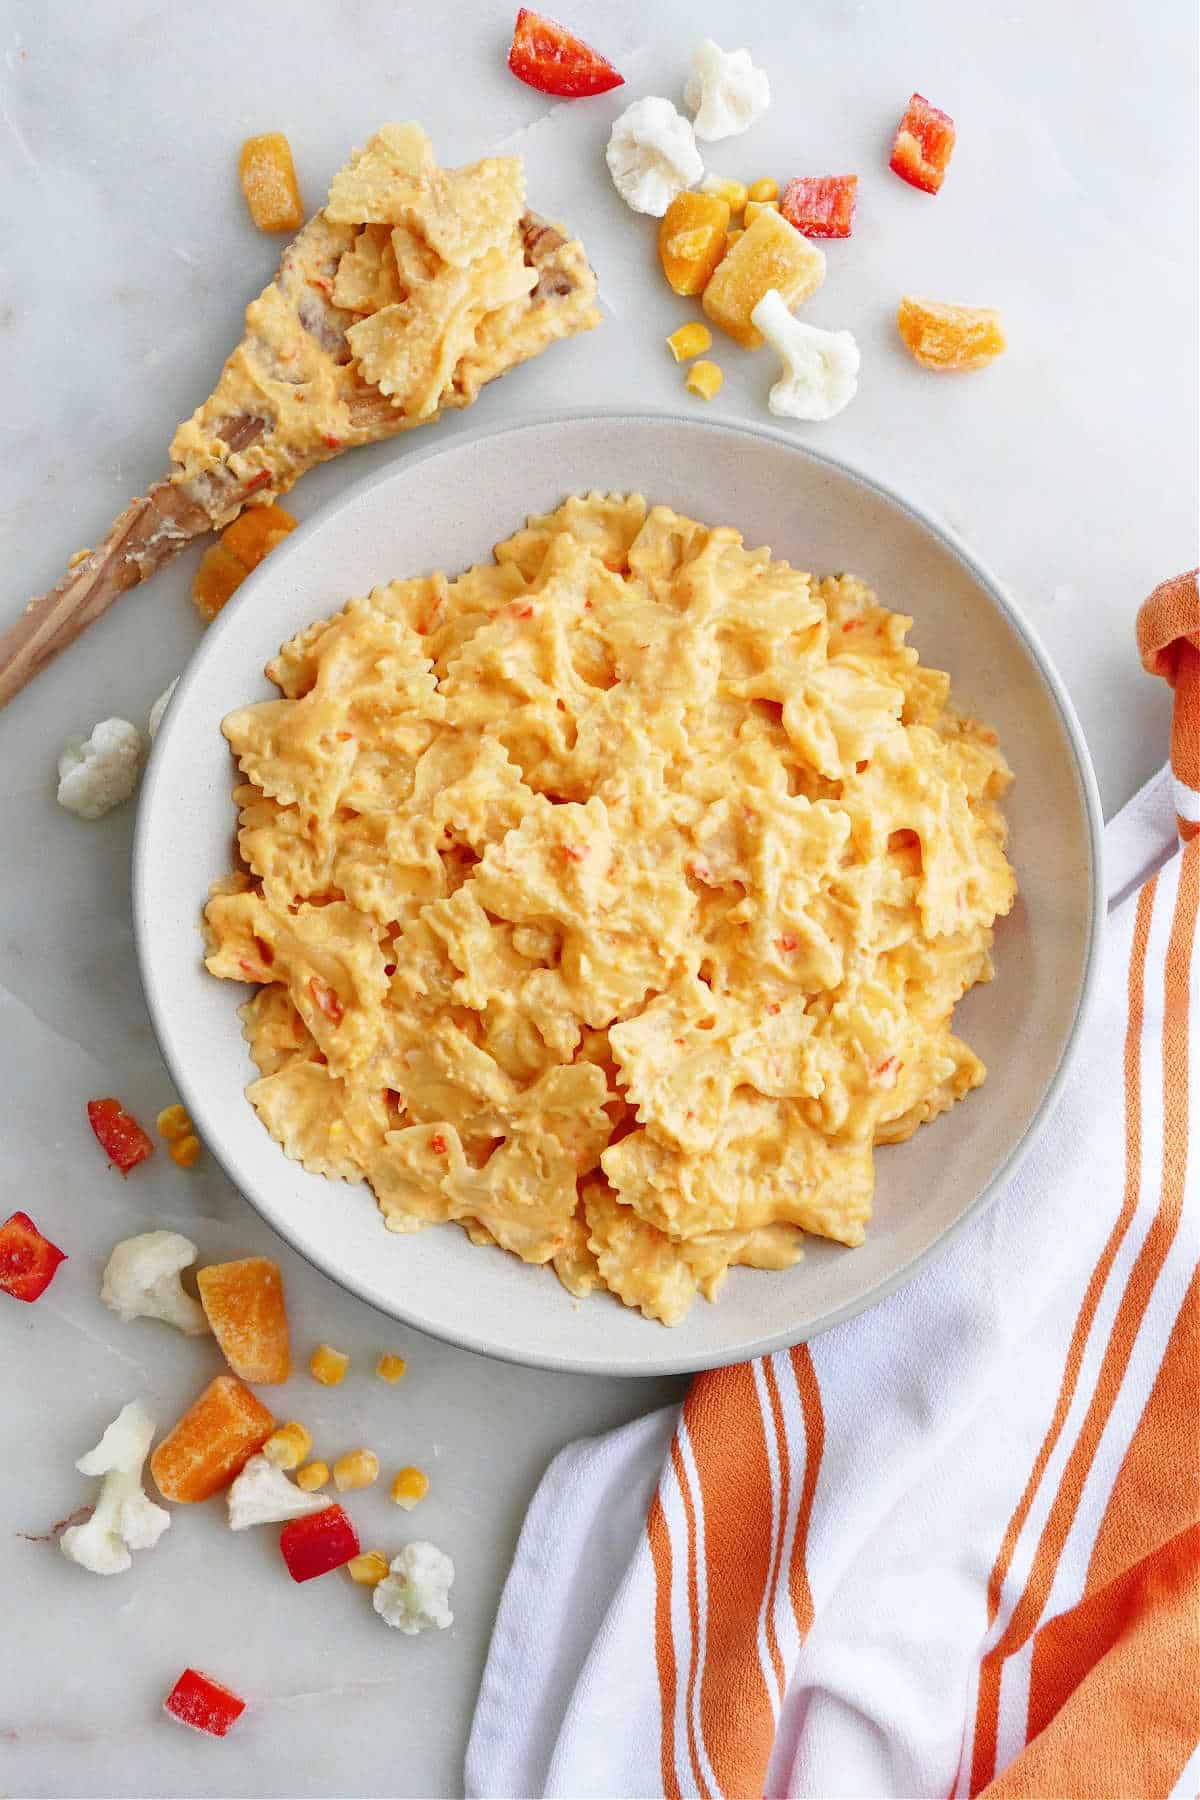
(1070, 467)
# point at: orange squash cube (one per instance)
(211, 1443)
(268, 177)
(255, 532)
(691, 240)
(219, 576)
(769, 254)
(243, 1302)
(947, 337)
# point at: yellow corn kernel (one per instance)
(357, 1469)
(763, 189)
(185, 1150)
(173, 1122)
(690, 340)
(409, 1486)
(268, 178)
(368, 1569)
(704, 378)
(288, 1446)
(327, 1365)
(732, 192)
(691, 240)
(313, 1475)
(391, 1368)
(754, 207)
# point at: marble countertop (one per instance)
(1070, 467)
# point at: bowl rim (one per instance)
(662, 1363)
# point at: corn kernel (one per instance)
(732, 192)
(391, 1368)
(268, 177)
(763, 189)
(409, 1486)
(185, 1150)
(754, 207)
(173, 1122)
(288, 1446)
(313, 1475)
(327, 1365)
(368, 1569)
(704, 378)
(690, 340)
(357, 1469)
(691, 240)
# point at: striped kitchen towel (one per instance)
(952, 1546)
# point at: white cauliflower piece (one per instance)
(726, 93)
(415, 1595)
(123, 1519)
(652, 155)
(159, 708)
(263, 1495)
(820, 368)
(97, 773)
(142, 1281)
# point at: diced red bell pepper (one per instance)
(320, 1542)
(204, 1704)
(120, 1136)
(923, 145)
(27, 1259)
(548, 57)
(821, 206)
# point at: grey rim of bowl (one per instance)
(665, 1364)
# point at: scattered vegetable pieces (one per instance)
(391, 1368)
(204, 1704)
(368, 1569)
(312, 1475)
(185, 1151)
(143, 1280)
(821, 206)
(769, 254)
(409, 1486)
(725, 91)
(819, 378)
(268, 177)
(173, 1123)
(211, 1443)
(923, 145)
(704, 378)
(765, 188)
(123, 1519)
(313, 1546)
(263, 1495)
(240, 548)
(548, 57)
(690, 340)
(652, 155)
(947, 337)
(357, 1469)
(327, 1365)
(288, 1446)
(244, 1305)
(691, 240)
(28, 1260)
(119, 1135)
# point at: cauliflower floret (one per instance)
(142, 1281)
(652, 155)
(159, 708)
(123, 1519)
(263, 1495)
(98, 773)
(726, 93)
(414, 1596)
(820, 368)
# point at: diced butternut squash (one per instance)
(211, 1443)
(243, 1302)
(268, 177)
(769, 254)
(947, 337)
(219, 576)
(691, 240)
(256, 531)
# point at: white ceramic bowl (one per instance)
(445, 506)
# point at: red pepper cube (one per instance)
(204, 1704)
(923, 145)
(548, 57)
(27, 1259)
(316, 1544)
(821, 206)
(119, 1135)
